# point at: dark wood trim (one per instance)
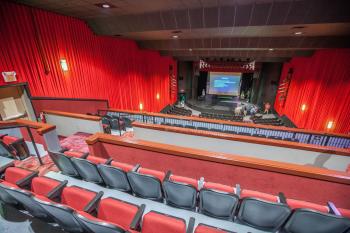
(41, 128)
(252, 125)
(248, 139)
(73, 115)
(231, 159)
(69, 99)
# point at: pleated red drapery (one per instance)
(99, 66)
(322, 84)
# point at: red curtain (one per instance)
(322, 83)
(33, 40)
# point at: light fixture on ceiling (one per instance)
(104, 5)
(271, 49)
(190, 49)
(298, 33)
(175, 36)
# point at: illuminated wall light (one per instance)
(303, 107)
(141, 106)
(158, 96)
(330, 124)
(64, 64)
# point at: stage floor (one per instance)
(219, 106)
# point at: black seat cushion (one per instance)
(180, 195)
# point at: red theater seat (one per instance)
(344, 212)
(157, 222)
(112, 211)
(43, 185)
(147, 183)
(219, 187)
(201, 228)
(180, 192)
(124, 166)
(184, 180)
(295, 204)
(76, 197)
(259, 195)
(75, 154)
(96, 160)
(160, 175)
(19, 176)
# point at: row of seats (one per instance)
(76, 209)
(174, 110)
(176, 191)
(17, 147)
(221, 116)
(268, 121)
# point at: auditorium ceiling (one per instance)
(261, 30)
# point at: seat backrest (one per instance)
(5, 196)
(76, 197)
(87, 170)
(96, 225)
(63, 215)
(297, 204)
(308, 221)
(43, 185)
(117, 212)
(26, 199)
(15, 174)
(145, 186)
(263, 215)
(180, 195)
(64, 163)
(218, 204)
(259, 195)
(114, 177)
(157, 222)
(202, 228)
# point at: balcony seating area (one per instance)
(174, 110)
(221, 116)
(17, 147)
(54, 201)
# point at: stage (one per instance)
(224, 105)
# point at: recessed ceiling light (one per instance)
(271, 49)
(190, 50)
(175, 36)
(298, 33)
(104, 5)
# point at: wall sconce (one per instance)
(141, 106)
(303, 107)
(64, 64)
(330, 124)
(158, 96)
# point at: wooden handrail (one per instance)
(231, 159)
(248, 139)
(73, 115)
(253, 125)
(41, 128)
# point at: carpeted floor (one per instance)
(75, 142)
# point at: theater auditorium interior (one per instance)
(174, 116)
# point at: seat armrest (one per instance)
(333, 209)
(137, 166)
(135, 223)
(108, 162)
(93, 203)
(85, 155)
(167, 176)
(63, 150)
(3, 135)
(26, 180)
(282, 198)
(57, 190)
(238, 190)
(190, 226)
